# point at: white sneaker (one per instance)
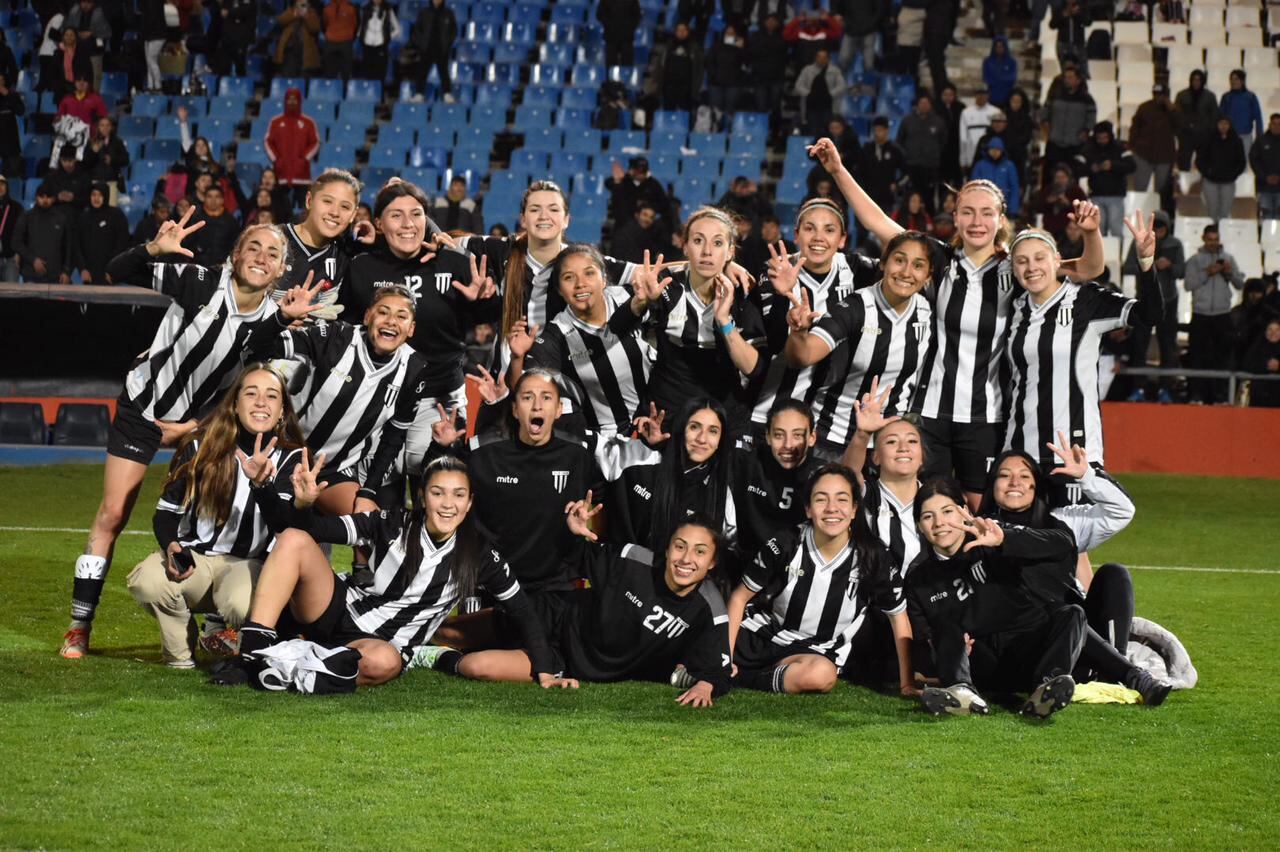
(426, 656)
(957, 700)
(188, 663)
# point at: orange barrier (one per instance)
(50, 403)
(1202, 440)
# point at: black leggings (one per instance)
(1109, 610)
(1015, 660)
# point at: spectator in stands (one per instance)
(975, 121)
(282, 204)
(1020, 130)
(744, 199)
(105, 157)
(379, 26)
(433, 34)
(911, 37)
(1000, 71)
(50, 39)
(90, 24)
(636, 184)
(82, 102)
(1151, 139)
(846, 141)
(197, 154)
(944, 227)
(149, 225)
(637, 235)
(1171, 12)
(1249, 318)
(1057, 199)
(69, 182)
(1211, 275)
(1242, 107)
(1071, 21)
(912, 215)
(261, 212)
(239, 32)
(950, 108)
(11, 106)
(620, 20)
(212, 243)
(10, 213)
(767, 58)
(923, 135)
(292, 142)
(297, 50)
(454, 213)
(994, 167)
(42, 241)
(753, 252)
(155, 31)
(1107, 165)
(811, 31)
(726, 69)
(1068, 115)
(1263, 356)
(341, 20)
(819, 86)
(101, 233)
(1264, 157)
(1171, 262)
(698, 13)
(676, 69)
(862, 22)
(1220, 161)
(69, 61)
(939, 25)
(1195, 111)
(8, 62)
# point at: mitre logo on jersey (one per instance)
(1064, 315)
(560, 478)
(443, 281)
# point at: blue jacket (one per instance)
(1244, 111)
(1000, 73)
(1002, 173)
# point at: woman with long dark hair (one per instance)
(212, 537)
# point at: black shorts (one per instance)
(334, 628)
(968, 449)
(551, 608)
(757, 651)
(133, 436)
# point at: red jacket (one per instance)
(88, 110)
(292, 141)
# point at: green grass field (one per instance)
(117, 751)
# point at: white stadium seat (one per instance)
(1165, 34)
(1205, 15)
(1131, 32)
(1208, 35)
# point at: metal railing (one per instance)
(1233, 377)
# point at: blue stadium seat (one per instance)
(527, 10)
(151, 106)
(472, 159)
(491, 119)
(236, 87)
(547, 75)
(583, 230)
(708, 143)
(591, 205)
(251, 151)
(389, 155)
(432, 134)
(197, 106)
(665, 167)
(747, 144)
(558, 53)
(167, 127)
(482, 31)
(369, 91)
(356, 111)
(792, 190)
(590, 54)
(473, 52)
(671, 120)
(138, 126)
(324, 90)
(588, 75)
(280, 85)
(708, 166)
(472, 179)
(586, 186)
(219, 132)
(115, 84)
(751, 122)
(147, 172)
(585, 141)
(570, 15)
(349, 133)
(489, 12)
(859, 104)
(520, 31)
(259, 126)
(569, 162)
(475, 139)
(628, 76)
(407, 112)
(749, 166)
(133, 145)
(428, 157)
(428, 179)
(509, 183)
(667, 141)
(532, 117)
(226, 108)
(693, 190)
(334, 157)
(395, 133)
(579, 97)
(47, 103)
(543, 139)
(376, 176)
(632, 139)
(541, 96)
(503, 73)
(452, 116)
(897, 84)
(496, 95)
(527, 161)
(573, 119)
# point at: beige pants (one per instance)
(221, 584)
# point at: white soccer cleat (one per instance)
(957, 700)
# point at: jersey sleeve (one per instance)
(170, 509)
(547, 350)
(746, 314)
(271, 337)
(1048, 543)
(842, 322)
(496, 579)
(1109, 511)
(614, 455)
(394, 433)
(888, 588)
(620, 272)
(766, 564)
(707, 656)
(1107, 309)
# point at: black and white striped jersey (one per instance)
(693, 359)
(837, 285)
(352, 394)
(1053, 355)
(244, 533)
(892, 521)
(327, 263)
(199, 346)
(408, 600)
(541, 295)
(803, 599)
(877, 341)
(963, 369)
(608, 367)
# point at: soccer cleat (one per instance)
(1153, 690)
(229, 672)
(426, 656)
(957, 700)
(75, 642)
(1050, 697)
(188, 663)
(681, 679)
(221, 643)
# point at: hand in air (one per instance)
(445, 431)
(168, 240)
(1075, 461)
(1085, 214)
(869, 411)
(489, 390)
(783, 274)
(1144, 233)
(300, 301)
(481, 286)
(521, 338)
(578, 515)
(258, 467)
(825, 152)
(306, 491)
(648, 288)
(724, 300)
(801, 317)
(985, 532)
(649, 427)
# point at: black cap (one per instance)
(45, 190)
(1104, 127)
(639, 163)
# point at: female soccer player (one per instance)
(769, 479)
(318, 246)
(212, 536)
(823, 275)
(807, 596)
(961, 403)
(968, 599)
(424, 562)
(887, 328)
(1016, 493)
(711, 339)
(1055, 338)
(641, 616)
(595, 343)
(196, 351)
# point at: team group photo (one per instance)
(553, 423)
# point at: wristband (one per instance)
(1145, 263)
(728, 328)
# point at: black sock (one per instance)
(85, 595)
(253, 638)
(765, 680)
(448, 662)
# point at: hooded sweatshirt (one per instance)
(292, 140)
(999, 72)
(1002, 173)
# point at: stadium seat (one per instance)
(470, 159)
(356, 111)
(81, 424)
(219, 132)
(473, 53)
(668, 120)
(280, 85)
(543, 139)
(510, 53)
(139, 126)
(475, 138)
(389, 155)
(428, 157)
(427, 179)
(408, 112)
(667, 141)
(579, 97)
(115, 84)
(556, 53)
(364, 91)
(166, 150)
(588, 75)
(583, 230)
(490, 119)
(151, 106)
(750, 144)
(527, 161)
(541, 96)
(324, 90)
(623, 141)
(709, 143)
(396, 133)
(520, 31)
(21, 423)
(532, 117)
(503, 73)
(547, 75)
(251, 151)
(708, 167)
(586, 141)
(495, 95)
(376, 176)
(573, 119)
(567, 162)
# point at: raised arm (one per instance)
(868, 212)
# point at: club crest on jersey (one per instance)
(920, 328)
(843, 290)
(560, 478)
(389, 398)
(1074, 492)
(1005, 279)
(330, 268)
(444, 280)
(1064, 315)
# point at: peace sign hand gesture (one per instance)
(489, 390)
(649, 427)
(800, 318)
(445, 430)
(578, 515)
(521, 338)
(869, 411)
(648, 288)
(300, 301)
(258, 467)
(306, 491)
(481, 286)
(168, 240)
(1075, 461)
(1144, 233)
(783, 274)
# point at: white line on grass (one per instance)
(66, 530)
